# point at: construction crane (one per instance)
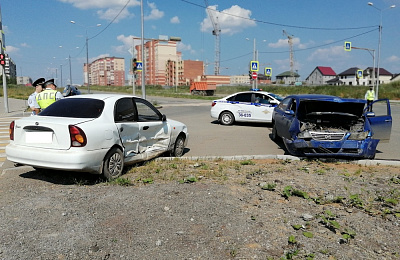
(290, 41)
(216, 31)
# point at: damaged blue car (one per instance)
(328, 126)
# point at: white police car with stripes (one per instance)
(247, 106)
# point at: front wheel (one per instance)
(274, 134)
(227, 118)
(113, 164)
(179, 147)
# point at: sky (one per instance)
(42, 41)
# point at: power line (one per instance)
(285, 25)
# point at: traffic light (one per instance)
(250, 75)
(2, 59)
(134, 65)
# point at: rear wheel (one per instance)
(113, 164)
(179, 147)
(274, 134)
(227, 118)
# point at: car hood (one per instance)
(326, 107)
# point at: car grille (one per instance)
(321, 136)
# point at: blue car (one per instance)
(329, 126)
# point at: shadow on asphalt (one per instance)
(64, 177)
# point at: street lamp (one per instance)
(87, 52)
(379, 43)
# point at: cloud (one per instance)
(127, 42)
(114, 13)
(99, 57)
(393, 59)
(183, 47)
(11, 49)
(25, 45)
(175, 19)
(283, 43)
(328, 55)
(230, 21)
(155, 13)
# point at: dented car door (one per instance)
(380, 120)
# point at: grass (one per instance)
(390, 91)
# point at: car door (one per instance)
(380, 120)
(242, 107)
(155, 131)
(284, 116)
(262, 108)
(125, 117)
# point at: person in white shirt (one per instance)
(32, 103)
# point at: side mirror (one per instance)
(370, 114)
(164, 118)
(289, 112)
(273, 101)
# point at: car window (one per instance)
(242, 97)
(124, 110)
(75, 108)
(284, 104)
(262, 98)
(146, 111)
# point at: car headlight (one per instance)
(304, 135)
(358, 136)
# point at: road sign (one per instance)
(359, 74)
(139, 65)
(254, 75)
(347, 46)
(268, 72)
(254, 65)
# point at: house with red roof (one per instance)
(320, 76)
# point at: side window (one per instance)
(261, 98)
(284, 104)
(243, 97)
(146, 111)
(124, 110)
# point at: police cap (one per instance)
(50, 81)
(39, 81)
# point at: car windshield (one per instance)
(75, 107)
(279, 98)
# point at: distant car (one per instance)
(97, 133)
(329, 126)
(247, 106)
(70, 91)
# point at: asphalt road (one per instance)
(208, 138)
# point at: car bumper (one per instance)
(74, 159)
(346, 148)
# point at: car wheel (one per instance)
(179, 147)
(274, 134)
(113, 164)
(227, 118)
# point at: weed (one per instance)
(121, 181)
(297, 227)
(320, 171)
(355, 201)
(269, 186)
(308, 234)
(287, 192)
(247, 162)
(292, 240)
(147, 180)
(300, 193)
(395, 180)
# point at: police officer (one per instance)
(32, 103)
(370, 96)
(49, 95)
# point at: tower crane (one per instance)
(290, 41)
(216, 31)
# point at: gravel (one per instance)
(204, 209)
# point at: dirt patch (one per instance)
(181, 209)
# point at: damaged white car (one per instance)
(97, 133)
(329, 126)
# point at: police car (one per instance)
(247, 106)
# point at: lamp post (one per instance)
(379, 43)
(87, 52)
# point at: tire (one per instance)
(227, 118)
(179, 147)
(274, 134)
(113, 164)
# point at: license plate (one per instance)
(39, 137)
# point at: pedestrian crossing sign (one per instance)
(254, 65)
(268, 72)
(139, 66)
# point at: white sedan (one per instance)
(97, 133)
(247, 106)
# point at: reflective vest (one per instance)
(370, 95)
(46, 98)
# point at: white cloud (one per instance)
(25, 45)
(175, 19)
(111, 14)
(128, 42)
(232, 20)
(155, 13)
(393, 59)
(11, 49)
(328, 55)
(183, 47)
(99, 56)
(283, 43)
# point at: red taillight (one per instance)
(78, 137)
(11, 130)
(213, 104)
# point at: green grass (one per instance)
(390, 91)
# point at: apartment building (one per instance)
(107, 71)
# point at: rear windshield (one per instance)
(75, 107)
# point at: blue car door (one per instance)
(380, 119)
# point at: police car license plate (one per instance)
(39, 137)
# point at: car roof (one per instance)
(103, 96)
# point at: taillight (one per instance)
(11, 130)
(213, 104)
(78, 137)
